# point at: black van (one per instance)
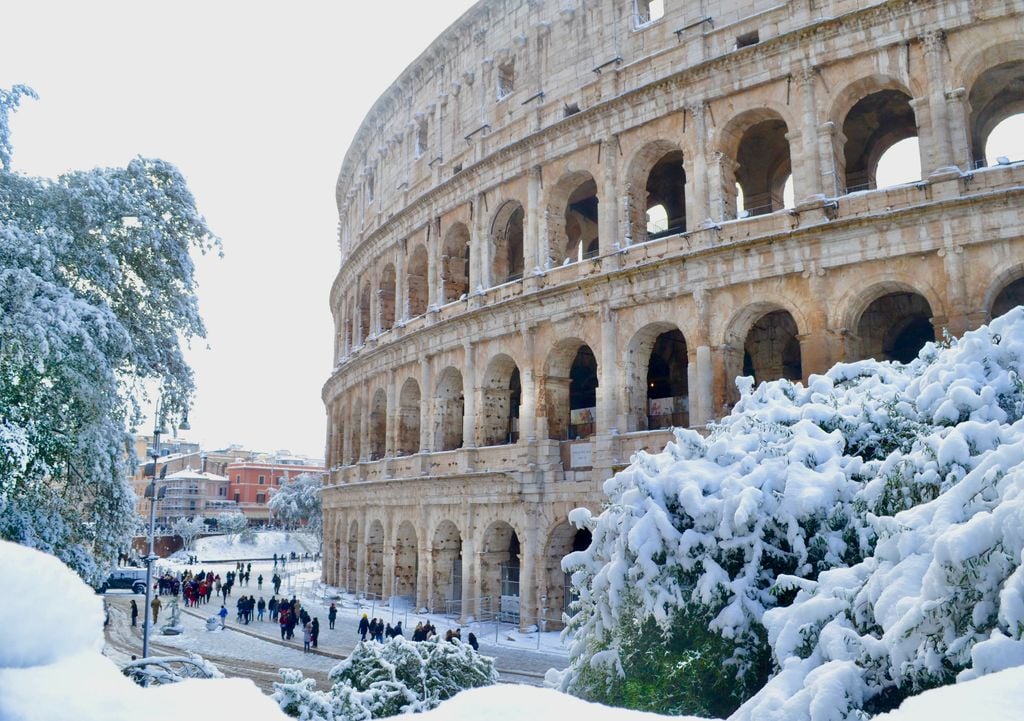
(133, 578)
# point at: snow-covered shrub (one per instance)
(859, 537)
(380, 680)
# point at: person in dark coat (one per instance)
(364, 627)
(272, 608)
(135, 612)
(473, 642)
(315, 631)
(397, 630)
(332, 615)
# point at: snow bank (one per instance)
(264, 545)
(57, 672)
(862, 535)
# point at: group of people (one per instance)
(376, 629)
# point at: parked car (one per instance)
(133, 578)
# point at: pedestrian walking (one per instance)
(135, 612)
(259, 582)
(364, 627)
(155, 606)
(473, 642)
(307, 637)
(283, 621)
(261, 607)
(223, 615)
(315, 631)
(332, 615)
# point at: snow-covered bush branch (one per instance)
(856, 540)
(232, 523)
(297, 503)
(188, 529)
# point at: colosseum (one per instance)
(568, 226)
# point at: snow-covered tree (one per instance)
(232, 523)
(188, 528)
(381, 680)
(827, 551)
(297, 503)
(97, 295)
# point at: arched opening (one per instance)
(668, 400)
(455, 263)
(446, 552)
(874, 124)
(408, 441)
(997, 115)
(1009, 298)
(364, 314)
(666, 196)
(416, 282)
(895, 327)
(502, 395)
(375, 560)
(406, 563)
(378, 424)
(351, 579)
(387, 298)
(572, 209)
(762, 167)
(564, 539)
(771, 349)
(507, 237)
(449, 406)
(499, 570)
(571, 391)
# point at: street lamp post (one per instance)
(151, 556)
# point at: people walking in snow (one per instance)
(135, 612)
(155, 606)
(223, 613)
(473, 642)
(261, 607)
(332, 615)
(315, 631)
(272, 607)
(307, 637)
(364, 627)
(259, 582)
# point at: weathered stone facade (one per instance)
(562, 230)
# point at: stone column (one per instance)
(433, 275)
(697, 202)
(391, 434)
(608, 374)
(528, 392)
(469, 396)
(807, 180)
(401, 287)
(530, 553)
(364, 431)
(387, 585)
(470, 574)
(608, 203)
(477, 246)
(359, 586)
(426, 405)
(532, 241)
(959, 128)
(722, 177)
(941, 150)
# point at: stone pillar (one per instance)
(959, 128)
(697, 202)
(426, 405)
(532, 240)
(391, 434)
(469, 396)
(608, 375)
(608, 204)
(470, 574)
(375, 307)
(477, 247)
(359, 586)
(701, 387)
(387, 585)
(722, 194)
(528, 392)
(530, 554)
(941, 151)
(401, 287)
(433, 275)
(364, 431)
(807, 180)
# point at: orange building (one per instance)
(250, 483)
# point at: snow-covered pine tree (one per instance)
(297, 503)
(97, 295)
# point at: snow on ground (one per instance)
(265, 544)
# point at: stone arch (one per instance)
(416, 281)
(378, 425)
(656, 370)
(570, 390)
(1004, 292)
(387, 297)
(375, 559)
(455, 263)
(406, 562)
(446, 553)
(764, 340)
(756, 143)
(996, 93)
(500, 561)
(873, 113)
(562, 540)
(507, 240)
(409, 410)
(449, 407)
(656, 177)
(500, 401)
(572, 213)
(352, 561)
(893, 323)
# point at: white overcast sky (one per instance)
(256, 103)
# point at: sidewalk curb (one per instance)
(263, 636)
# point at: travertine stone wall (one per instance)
(565, 228)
